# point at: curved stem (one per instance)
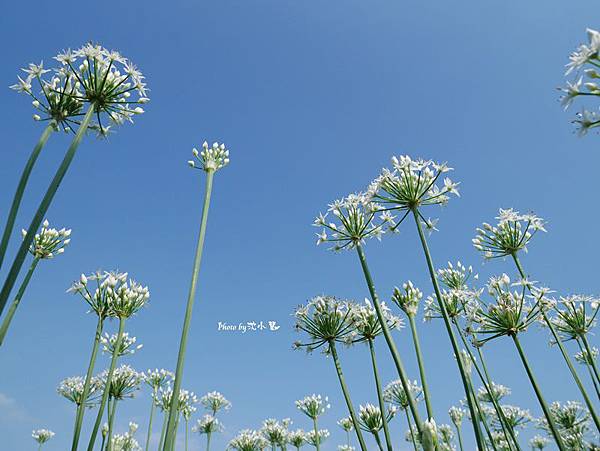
(15, 303)
(42, 209)
(86, 384)
(386, 432)
(454, 343)
(152, 408)
(111, 370)
(421, 362)
(14, 207)
(172, 417)
(353, 416)
(564, 353)
(538, 393)
(388, 337)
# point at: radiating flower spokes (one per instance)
(395, 394)
(575, 315)
(494, 392)
(248, 440)
(100, 297)
(572, 420)
(42, 435)
(124, 383)
(297, 438)
(371, 419)
(353, 222)
(456, 276)
(313, 406)
(71, 388)
(210, 158)
(408, 298)
(512, 234)
(215, 401)
(128, 344)
(49, 242)
(346, 424)
(411, 184)
(126, 441)
(276, 432)
(317, 437)
(156, 378)
(586, 358)
(366, 323)
(207, 425)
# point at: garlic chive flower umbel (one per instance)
(155, 379)
(214, 402)
(248, 440)
(210, 160)
(128, 344)
(313, 407)
(41, 436)
(72, 388)
(47, 244)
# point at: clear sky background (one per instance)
(312, 98)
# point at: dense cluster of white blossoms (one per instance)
(497, 391)
(156, 378)
(575, 315)
(408, 298)
(71, 388)
(512, 233)
(371, 418)
(89, 75)
(456, 415)
(49, 242)
(585, 82)
(248, 440)
(128, 344)
(346, 424)
(573, 422)
(42, 435)
(276, 432)
(395, 394)
(126, 441)
(124, 383)
(586, 358)
(215, 401)
(207, 425)
(186, 404)
(313, 406)
(210, 158)
(366, 323)
(315, 438)
(297, 438)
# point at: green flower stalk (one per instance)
(209, 160)
(367, 328)
(155, 379)
(125, 299)
(316, 438)
(313, 407)
(356, 216)
(588, 359)
(41, 436)
(208, 425)
(48, 243)
(347, 425)
(372, 420)
(92, 76)
(327, 321)
(538, 443)
(510, 236)
(456, 415)
(276, 433)
(297, 438)
(408, 300)
(573, 421)
(248, 440)
(510, 315)
(411, 185)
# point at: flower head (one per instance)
(127, 347)
(313, 406)
(411, 184)
(125, 382)
(353, 222)
(317, 437)
(408, 298)
(366, 321)
(325, 319)
(587, 358)
(49, 242)
(512, 234)
(538, 442)
(185, 405)
(128, 298)
(575, 315)
(207, 425)
(248, 440)
(346, 424)
(215, 401)
(514, 416)
(126, 441)
(297, 438)
(98, 290)
(370, 418)
(156, 378)
(457, 276)
(496, 393)
(395, 394)
(210, 158)
(456, 414)
(572, 420)
(586, 120)
(275, 432)
(72, 389)
(42, 435)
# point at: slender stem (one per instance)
(589, 353)
(589, 368)
(317, 438)
(338, 367)
(421, 362)
(163, 431)
(86, 384)
(14, 208)
(17, 300)
(410, 428)
(538, 392)
(378, 440)
(386, 432)
(208, 441)
(459, 435)
(111, 370)
(564, 353)
(455, 348)
(111, 420)
(172, 417)
(42, 209)
(186, 434)
(388, 337)
(152, 408)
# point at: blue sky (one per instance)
(312, 98)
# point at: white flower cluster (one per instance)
(207, 425)
(316, 438)
(276, 432)
(42, 435)
(366, 321)
(248, 440)
(395, 394)
(346, 424)
(49, 242)
(127, 347)
(125, 382)
(456, 414)
(71, 388)
(407, 299)
(186, 404)
(371, 418)
(297, 438)
(126, 442)
(215, 401)
(313, 406)
(210, 158)
(156, 378)
(512, 233)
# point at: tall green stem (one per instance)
(386, 432)
(338, 368)
(14, 207)
(563, 351)
(378, 440)
(87, 383)
(459, 435)
(208, 441)
(421, 362)
(42, 209)
(388, 336)
(589, 368)
(152, 408)
(589, 353)
(163, 431)
(410, 428)
(15, 303)
(540, 397)
(186, 434)
(454, 343)
(172, 418)
(317, 438)
(112, 410)
(111, 370)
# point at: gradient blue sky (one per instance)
(312, 98)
